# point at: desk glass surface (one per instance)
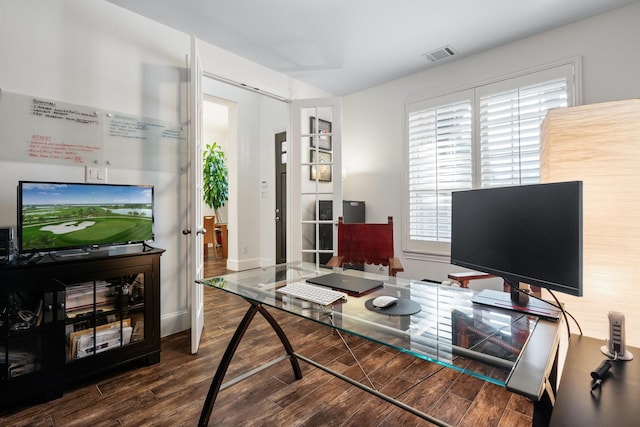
(449, 329)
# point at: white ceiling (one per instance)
(344, 46)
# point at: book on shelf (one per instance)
(81, 296)
(107, 337)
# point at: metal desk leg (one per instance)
(216, 383)
(283, 339)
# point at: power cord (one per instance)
(556, 305)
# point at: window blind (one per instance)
(484, 136)
(440, 161)
(510, 132)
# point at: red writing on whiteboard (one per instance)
(43, 147)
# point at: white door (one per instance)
(196, 254)
(316, 178)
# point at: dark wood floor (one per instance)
(171, 393)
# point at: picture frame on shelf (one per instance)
(320, 168)
(324, 131)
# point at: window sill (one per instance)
(431, 257)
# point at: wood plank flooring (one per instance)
(171, 393)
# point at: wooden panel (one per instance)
(599, 144)
(208, 224)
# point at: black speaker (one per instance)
(6, 244)
(6, 234)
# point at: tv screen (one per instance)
(53, 216)
(530, 234)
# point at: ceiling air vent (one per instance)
(439, 54)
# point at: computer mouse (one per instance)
(384, 301)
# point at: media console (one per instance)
(63, 319)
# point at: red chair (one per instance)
(361, 243)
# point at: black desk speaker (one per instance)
(6, 244)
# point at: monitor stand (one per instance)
(533, 306)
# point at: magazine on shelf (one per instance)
(106, 339)
(81, 343)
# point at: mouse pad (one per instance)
(404, 307)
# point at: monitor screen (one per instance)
(55, 215)
(530, 234)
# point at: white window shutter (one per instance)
(485, 136)
(510, 132)
(440, 161)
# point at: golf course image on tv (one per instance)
(54, 216)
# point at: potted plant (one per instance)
(216, 178)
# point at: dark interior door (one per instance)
(281, 197)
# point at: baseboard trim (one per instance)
(245, 264)
(173, 323)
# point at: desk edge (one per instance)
(531, 370)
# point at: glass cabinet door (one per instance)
(103, 315)
(24, 318)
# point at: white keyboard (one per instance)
(317, 294)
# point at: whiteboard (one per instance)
(40, 130)
(132, 142)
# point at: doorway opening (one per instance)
(215, 128)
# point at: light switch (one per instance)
(95, 174)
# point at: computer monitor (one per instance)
(525, 234)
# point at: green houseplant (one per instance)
(216, 178)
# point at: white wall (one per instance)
(274, 119)
(94, 53)
(373, 120)
(91, 53)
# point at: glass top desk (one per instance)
(510, 349)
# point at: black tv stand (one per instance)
(91, 313)
(504, 300)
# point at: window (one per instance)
(510, 132)
(487, 136)
(440, 161)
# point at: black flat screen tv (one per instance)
(530, 234)
(54, 216)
